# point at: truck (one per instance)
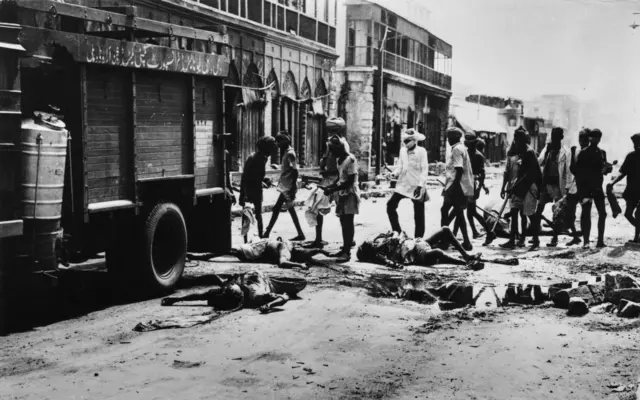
(112, 137)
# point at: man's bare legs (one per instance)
(274, 217)
(319, 243)
(201, 296)
(443, 238)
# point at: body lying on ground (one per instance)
(283, 253)
(252, 289)
(396, 250)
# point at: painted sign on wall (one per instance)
(147, 56)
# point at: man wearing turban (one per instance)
(412, 173)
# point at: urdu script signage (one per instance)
(146, 56)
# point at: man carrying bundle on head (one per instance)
(412, 173)
(287, 185)
(318, 203)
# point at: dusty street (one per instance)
(339, 342)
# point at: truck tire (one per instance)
(163, 247)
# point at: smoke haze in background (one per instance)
(528, 48)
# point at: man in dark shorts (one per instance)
(589, 170)
(523, 177)
(253, 176)
(554, 160)
(396, 250)
(459, 184)
(631, 169)
(287, 185)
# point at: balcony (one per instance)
(362, 56)
(313, 20)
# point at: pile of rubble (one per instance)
(620, 290)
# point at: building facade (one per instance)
(282, 53)
(415, 76)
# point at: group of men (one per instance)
(339, 185)
(532, 181)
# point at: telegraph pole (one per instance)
(381, 111)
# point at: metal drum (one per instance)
(43, 157)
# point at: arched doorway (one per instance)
(289, 108)
(275, 101)
(232, 96)
(316, 134)
(250, 114)
(434, 126)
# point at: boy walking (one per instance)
(287, 185)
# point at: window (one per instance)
(404, 47)
(351, 39)
(267, 14)
(280, 18)
(234, 7)
(243, 8)
(292, 21)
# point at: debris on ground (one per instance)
(186, 364)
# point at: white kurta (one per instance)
(412, 170)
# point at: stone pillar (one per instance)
(359, 113)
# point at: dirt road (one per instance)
(338, 342)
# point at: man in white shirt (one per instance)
(459, 184)
(412, 172)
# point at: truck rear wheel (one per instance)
(163, 247)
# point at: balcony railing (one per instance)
(367, 56)
(278, 16)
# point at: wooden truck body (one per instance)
(143, 102)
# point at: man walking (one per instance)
(631, 169)
(412, 173)
(479, 175)
(554, 160)
(287, 185)
(590, 168)
(253, 177)
(459, 184)
(521, 182)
